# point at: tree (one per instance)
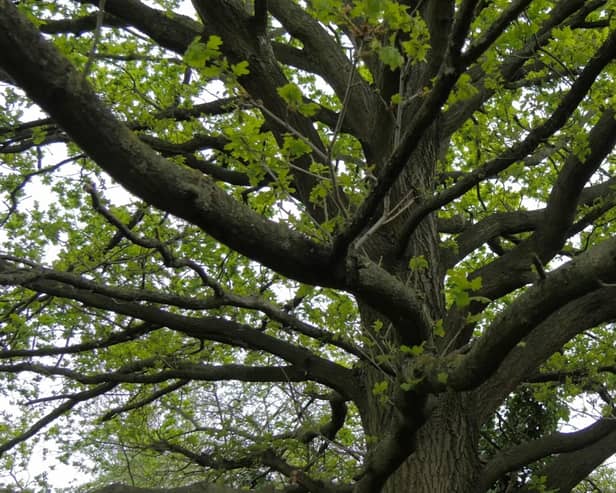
(363, 245)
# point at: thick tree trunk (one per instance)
(444, 451)
(445, 457)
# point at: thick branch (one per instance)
(393, 448)
(177, 371)
(391, 297)
(427, 113)
(55, 85)
(547, 338)
(196, 143)
(536, 136)
(201, 487)
(217, 107)
(569, 469)
(334, 67)
(492, 226)
(566, 191)
(170, 30)
(582, 376)
(241, 43)
(571, 281)
(79, 25)
(328, 430)
(472, 236)
(512, 270)
(266, 458)
(209, 328)
(218, 172)
(556, 443)
(578, 277)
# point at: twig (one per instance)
(291, 129)
(97, 37)
(337, 128)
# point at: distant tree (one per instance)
(324, 246)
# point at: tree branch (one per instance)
(196, 143)
(511, 66)
(556, 443)
(335, 68)
(568, 469)
(578, 277)
(514, 268)
(200, 487)
(209, 328)
(426, 114)
(267, 458)
(70, 403)
(129, 334)
(240, 43)
(496, 224)
(543, 341)
(53, 83)
(63, 94)
(177, 371)
(79, 25)
(220, 299)
(535, 137)
(170, 30)
(510, 14)
(566, 191)
(575, 375)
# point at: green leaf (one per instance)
(439, 329)
(240, 68)
(38, 135)
(291, 94)
(373, 7)
(411, 384)
(406, 386)
(198, 53)
(418, 263)
(413, 351)
(461, 298)
(390, 56)
(309, 109)
(295, 147)
(380, 388)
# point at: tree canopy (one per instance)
(323, 246)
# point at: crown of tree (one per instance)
(325, 246)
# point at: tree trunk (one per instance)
(444, 460)
(444, 457)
